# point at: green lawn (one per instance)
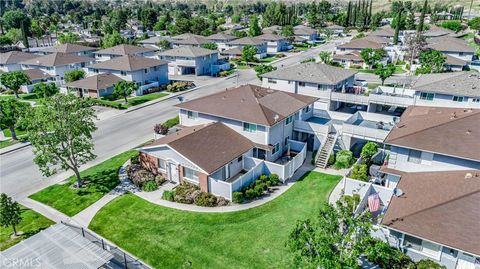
(132, 101)
(254, 238)
(33, 97)
(31, 224)
(268, 59)
(7, 143)
(103, 177)
(398, 70)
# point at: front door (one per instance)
(173, 172)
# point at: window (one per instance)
(286, 140)
(272, 81)
(145, 71)
(248, 127)
(421, 245)
(459, 99)
(289, 120)
(95, 71)
(240, 159)
(192, 115)
(190, 174)
(123, 73)
(306, 109)
(426, 96)
(276, 148)
(415, 156)
(476, 100)
(322, 87)
(301, 84)
(162, 164)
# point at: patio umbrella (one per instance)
(373, 202)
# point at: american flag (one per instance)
(373, 202)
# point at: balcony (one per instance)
(369, 126)
(354, 95)
(392, 96)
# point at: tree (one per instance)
(397, 27)
(10, 112)
(164, 44)
(254, 29)
(181, 26)
(10, 213)
(385, 71)
(422, 17)
(162, 23)
(410, 21)
(160, 129)
(431, 61)
(149, 18)
(74, 75)
(236, 18)
(68, 38)
(452, 25)
(385, 256)
(45, 89)
(61, 134)
(124, 89)
(369, 150)
(372, 56)
(474, 23)
(112, 39)
(118, 19)
(5, 40)
(248, 53)
(336, 239)
(413, 44)
(14, 80)
(198, 25)
(359, 172)
(287, 30)
(262, 69)
(210, 46)
(325, 57)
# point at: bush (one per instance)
(343, 159)
(168, 195)
(178, 86)
(171, 122)
(368, 150)
(331, 159)
(186, 193)
(138, 175)
(429, 264)
(134, 160)
(237, 197)
(160, 129)
(359, 171)
(250, 193)
(149, 186)
(259, 189)
(206, 199)
(274, 180)
(159, 179)
(385, 256)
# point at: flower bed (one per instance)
(187, 193)
(142, 178)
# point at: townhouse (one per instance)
(190, 42)
(229, 138)
(275, 43)
(240, 43)
(94, 86)
(10, 61)
(36, 76)
(57, 63)
(336, 30)
(300, 32)
(358, 44)
(153, 41)
(221, 40)
(350, 60)
(453, 47)
(146, 72)
(68, 48)
(193, 60)
(122, 50)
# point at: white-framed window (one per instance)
(123, 73)
(249, 127)
(476, 100)
(423, 246)
(301, 84)
(190, 174)
(192, 115)
(162, 164)
(272, 81)
(459, 98)
(289, 120)
(427, 96)
(415, 156)
(276, 148)
(322, 87)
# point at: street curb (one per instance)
(15, 149)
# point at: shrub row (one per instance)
(106, 103)
(187, 193)
(257, 188)
(142, 178)
(179, 86)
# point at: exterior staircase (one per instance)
(321, 160)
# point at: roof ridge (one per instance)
(431, 127)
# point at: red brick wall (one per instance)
(180, 173)
(203, 180)
(149, 162)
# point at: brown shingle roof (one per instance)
(191, 41)
(250, 103)
(13, 57)
(35, 74)
(69, 48)
(451, 44)
(125, 49)
(128, 63)
(442, 207)
(209, 146)
(221, 36)
(355, 56)
(361, 43)
(246, 41)
(454, 83)
(187, 52)
(96, 82)
(57, 59)
(449, 131)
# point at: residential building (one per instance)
(193, 60)
(233, 53)
(94, 86)
(146, 72)
(275, 43)
(185, 36)
(189, 42)
(36, 76)
(305, 32)
(435, 31)
(387, 32)
(350, 60)
(454, 64)
(57, 63)
(221, 40)
(246, 132)
(358, 45)
(68, 48)
(122, 50)
(337, 30)
(10, 61)
(153, 41)
(240, 43)
(451, 46)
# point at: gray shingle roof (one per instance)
(455, 83)
(154, 40)
(246, 41)
(13, 57)
(187, 52)
(447, 43)
(124, 49)
(191, 41)
(69, 48)
(221, 36)
(361, 43)
(270, 37)
(96, 82)
(313, 73)
(128, 63)
(57, 59)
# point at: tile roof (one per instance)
(250, 103)
(69, 48)
(96, 82)
(209, 146)
(313, 73)
(452, 44)
(361, 43)
(448, 131)
(14, 57)
(57, 59)
(128, 63)
(442, 207)
(454, 83)
(124, 49)
(187, 51)
(246, 41)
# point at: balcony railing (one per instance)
(365, 132)
(400, 100)
(310, 127)
(349, 98)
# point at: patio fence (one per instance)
(120, 259)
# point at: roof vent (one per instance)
(275, 118)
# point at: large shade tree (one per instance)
(124, 89)
(14, 80)
(10, 213)
(61, 134)
(10, 112)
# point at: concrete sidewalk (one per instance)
(14, 147)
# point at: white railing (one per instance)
(247, 179)
(311, 127)
(391, 100)
(221, 188)
(349, 98)
(142, 88)
(189, 63)
(377, 135)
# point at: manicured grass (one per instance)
(7, 143)
(31, 223)
(398, 70)
(132, 101)
(103, 178)
(268, 59)
(33, 97)
(253, 238)
(18, 132)
(172, 122)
